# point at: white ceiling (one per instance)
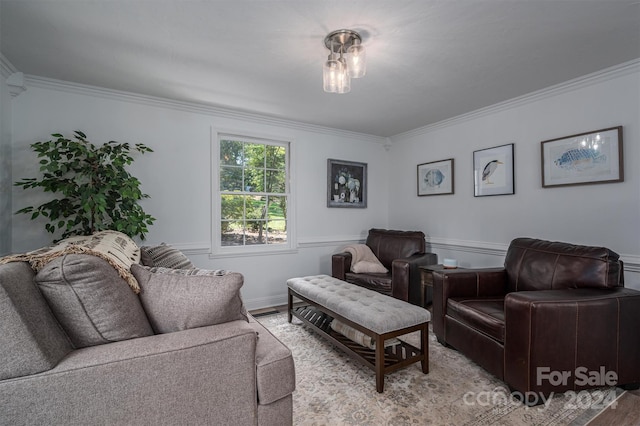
(428, 60)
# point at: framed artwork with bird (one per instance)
(493, 171)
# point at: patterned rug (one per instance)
(333, 389)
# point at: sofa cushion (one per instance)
(275, 371)
(165, 256)
(31, 340)
(485, 315)
(91, 301)
(177, 300)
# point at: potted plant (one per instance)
(95, 191)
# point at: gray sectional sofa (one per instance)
(75, 354)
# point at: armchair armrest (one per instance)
(340, 265)
(571, 331)
(160, 379)
(405, 276)
(463, 283)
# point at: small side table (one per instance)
(426, 281)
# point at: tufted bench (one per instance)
(376, 315)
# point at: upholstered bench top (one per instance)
(372, 310)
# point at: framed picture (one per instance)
(585, 158)
(346, 184)
(493, 171)
(435, 178)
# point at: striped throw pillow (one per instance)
(166, 256)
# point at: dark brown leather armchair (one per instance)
(401, 252)
(553, 309)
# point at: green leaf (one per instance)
(92, 186)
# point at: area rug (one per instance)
(333, 389)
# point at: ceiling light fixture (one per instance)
(347, 60)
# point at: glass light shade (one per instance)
(357, 60)
(331, 74)
(344, 80)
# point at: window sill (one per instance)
(245, 252)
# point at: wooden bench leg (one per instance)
(424, 334)
(379, 364)
(289, 305)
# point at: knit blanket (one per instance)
(358, 336)
(116, 248)
(364, 261)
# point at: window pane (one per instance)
(230, 179)
(232, 207)
(254, 180)
(276, 157)
(232, 234)
(255, 232)
(277, 208)
(254, 155)
(276, 181)
(231, 153)
(255, 208)
(276, 232)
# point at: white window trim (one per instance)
(219, 251)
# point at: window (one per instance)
(253, 183)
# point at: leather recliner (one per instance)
(401, 252)
(555, 318)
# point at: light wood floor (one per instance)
(625, 413)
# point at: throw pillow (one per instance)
(145, 257)
(177, 300)
(166, 256)
(93, 304)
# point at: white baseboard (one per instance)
(265, 302)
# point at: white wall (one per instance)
(5, 159)
(177, 176)
(477, 230)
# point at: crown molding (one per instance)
(194, 107)
(15, 83)
(606, 74)
(6, 67)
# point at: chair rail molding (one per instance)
(332, 240)
(631, 261)
(480, 247)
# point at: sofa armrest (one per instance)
(204, 375)
(463, 283)
(405, 276)
(340, 265)
(575, 331)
